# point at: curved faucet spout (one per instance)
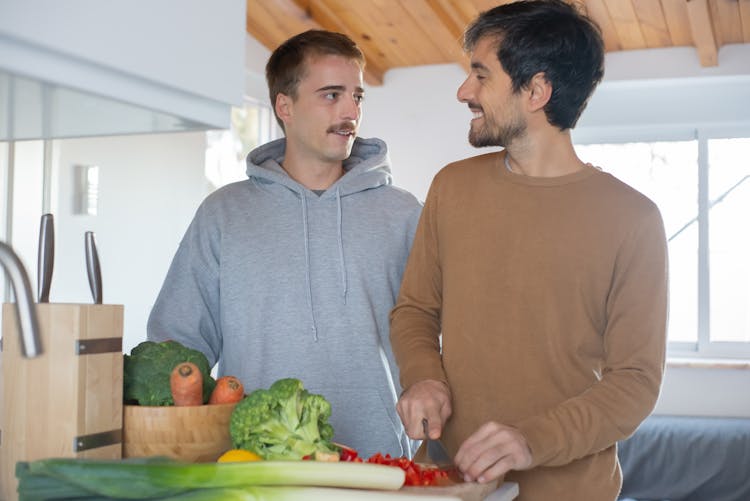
(25, 311)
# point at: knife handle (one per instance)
(46, 257)
(93, 270)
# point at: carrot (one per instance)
(228, 390)
(186, 383)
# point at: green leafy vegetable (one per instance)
(282, 422)
(163, 478)
(149, 365)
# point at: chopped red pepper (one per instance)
(415, 474)
(349, 454)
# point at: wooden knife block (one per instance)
(67, 402)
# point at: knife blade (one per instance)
(93, 270)
(45, 257)
(436, 450)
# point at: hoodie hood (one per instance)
(367, 167)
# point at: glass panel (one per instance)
(666, 172)
(729, 238)
(252, 125)
(4, 295)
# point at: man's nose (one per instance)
(464, 92)
(351, 109)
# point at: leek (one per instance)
(161, 478)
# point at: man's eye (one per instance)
(331, 95)
(359, 98)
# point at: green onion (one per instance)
(160, 478)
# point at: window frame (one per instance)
(703, 348)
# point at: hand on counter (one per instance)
(492, 451)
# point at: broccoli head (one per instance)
(282, 422)
(149, 365)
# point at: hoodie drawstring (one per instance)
(307, 267)
(342, 263)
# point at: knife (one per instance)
(46, 257)
(436, 450)
(93, 270)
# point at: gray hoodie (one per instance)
(272, 281)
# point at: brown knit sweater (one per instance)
(551, 296)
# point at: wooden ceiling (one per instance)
(399, 33)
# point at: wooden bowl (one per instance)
(194, 434)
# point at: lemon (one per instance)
(233, 455)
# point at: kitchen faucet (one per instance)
(25, 311)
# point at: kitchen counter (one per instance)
(460, 492)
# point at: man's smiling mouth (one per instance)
(476, 111)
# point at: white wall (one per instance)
(150, 187)
(182, 57)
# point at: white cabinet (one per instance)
(87, 67)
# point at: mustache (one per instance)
(343, 127)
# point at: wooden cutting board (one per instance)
(466, 491)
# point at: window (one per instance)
(702, 187)
(252, 125)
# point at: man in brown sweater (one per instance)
(546, 277)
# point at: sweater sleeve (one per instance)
(187, 307)
(635, 344)
(415, 320)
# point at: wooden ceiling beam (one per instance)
(626, 24)
(450, 17)
(597, 10)
(703, 34)
(727, 22)
(676, 16)
(375, 59)
(653, 25)
(745, 17)
(446, 43)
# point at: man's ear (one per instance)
(539, 92)
(283, 107)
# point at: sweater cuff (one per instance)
(540, 441)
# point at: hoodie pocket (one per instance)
(365, 418)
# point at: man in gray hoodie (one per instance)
(293, 272)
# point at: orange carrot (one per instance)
(228, 390)
(186, 383)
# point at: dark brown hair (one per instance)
(287, 65)
(549, 36)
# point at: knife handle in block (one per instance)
(93, 269)
(46, 257)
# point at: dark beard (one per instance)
(480, 138)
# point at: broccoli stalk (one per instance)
(282, 422)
